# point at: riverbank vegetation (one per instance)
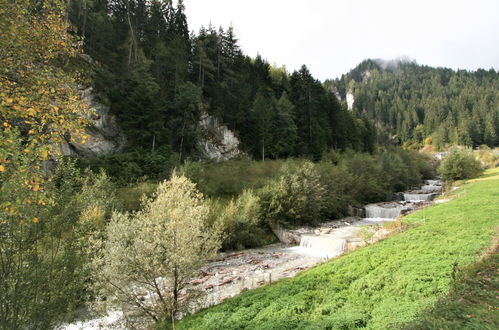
(295, 191)
(460, 165)
(381, 286)
(299, 192)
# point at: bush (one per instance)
(460, 165)
(338, 182)
(230, 178)
(367, 183)
(424, 163)
(126, 167)
(298, 197)
(241, 219)
(157, 250)
(489, 157)
(44, 270)
(396, 173)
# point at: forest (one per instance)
(159, 78)
(417, 105)
(100, 231)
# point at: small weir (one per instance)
(389, 211)
(335, 242)
(419, 196)
(325, 245)
(431, 188)
(433, 182)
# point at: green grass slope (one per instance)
(472, 303)
(382, 286)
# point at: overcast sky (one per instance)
(332, 37)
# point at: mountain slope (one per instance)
(408, 103)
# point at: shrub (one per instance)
(338, 182)
(241, 219)
(331, 156)
(396, 173)
(459, 165)
(45, 255)
(367, 182)
(424, 163)
(230, 178)
(489, 157)
(126, 167)
(297, 197)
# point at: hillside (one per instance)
(381, 286)
(161, 81)
(415, 104)
(164, 84)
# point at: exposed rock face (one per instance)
(217, 142)
(350, 99)
(104, 134)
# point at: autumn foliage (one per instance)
(40, 252)
(39, 103)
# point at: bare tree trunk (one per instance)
(263, 149)
(175, 84)
(175, 295)
(182, 140)
(309, 118)
(84, 27)
(218, 64)
(132, 35)
(200, 68)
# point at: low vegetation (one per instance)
(382, 286)
(488, 157)
(460, 165)
(472, 302)
(248, 196)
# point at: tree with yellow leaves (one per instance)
(39, 106)
(39, 102)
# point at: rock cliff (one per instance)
(104, 134)
(217, 142)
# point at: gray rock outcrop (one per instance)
(103, 135)
(217, 142)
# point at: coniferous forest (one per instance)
(414, 105)
(158, 78)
